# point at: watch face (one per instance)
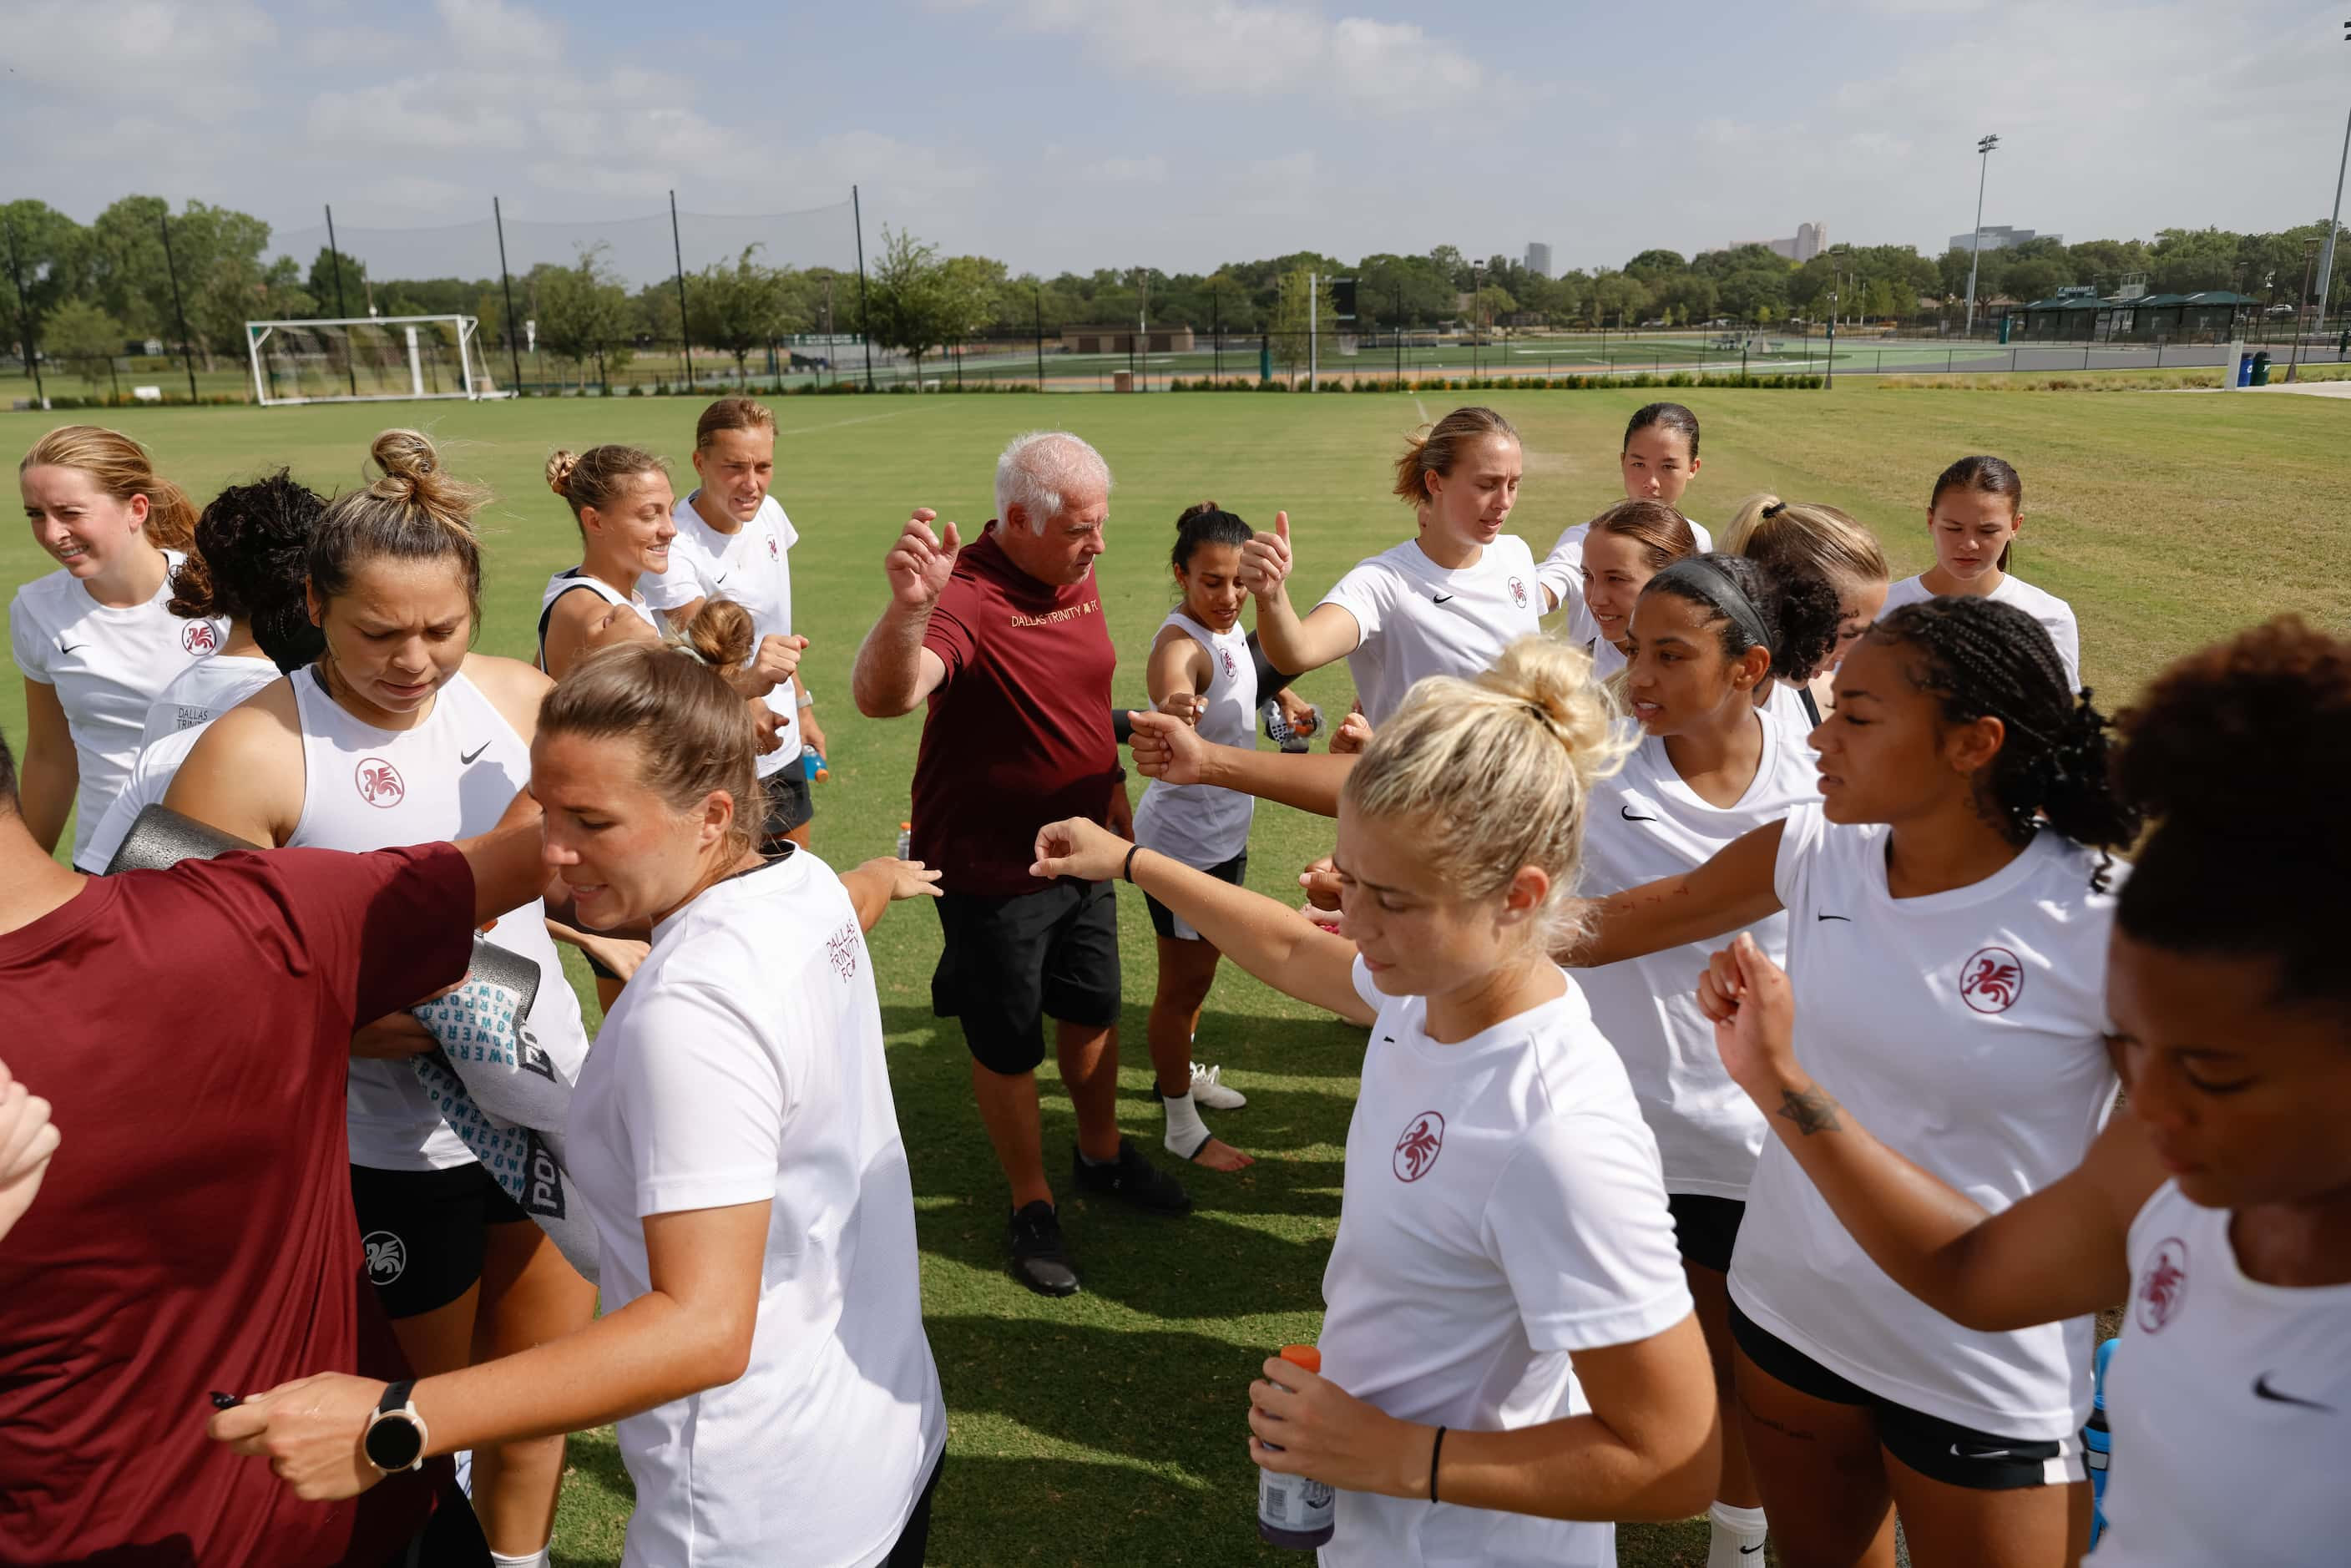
(394, 1442)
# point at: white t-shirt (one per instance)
(1643, 824)
(1564, 567)
(1503, 1210)
(751, 566)
(1967, 1031)
(2227, 1402)
(2053, 613)
(743, 1064)
(1416, 619)
(109, 666)
(203, 691)
(1201, 825)
(159, 760)
(579, 578)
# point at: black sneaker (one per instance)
(1038, 1259)
(1132, 1178)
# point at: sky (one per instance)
(1071, 134)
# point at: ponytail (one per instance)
(119, 468)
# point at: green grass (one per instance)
(1108, 1428)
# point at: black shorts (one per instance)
(1938, 1450)
(1706, 1228)
(425, 1230)
(789, 802)
(1162, 919)
(1012, 963)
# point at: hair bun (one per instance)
(1196, 509)
(413, 476)
(721, 634)
(559, 471)
(1553, 680)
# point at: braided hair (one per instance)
(249, 562)
(2239, 755)
(1983, 659)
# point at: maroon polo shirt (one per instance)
(1019, 733)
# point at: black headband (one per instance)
(1720, 589)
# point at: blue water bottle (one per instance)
(812, 764)
(2096, 1441)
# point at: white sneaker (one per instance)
(1209, 1088)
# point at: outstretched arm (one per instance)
(1267, 939)
(2060, 1253)
(1733, 889)
(1166, 747)
(895, 672)
(1292, 642)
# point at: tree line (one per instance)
(96, 290)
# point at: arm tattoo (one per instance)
(1814, 1110)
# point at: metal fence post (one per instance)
(25, 318)
(187, 351)
(335, 253)
(678, 254)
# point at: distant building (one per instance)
(1121, 340)
(1809, 241)
(2000, 237)
(1539, 259)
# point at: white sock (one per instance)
(537, 1559)
(1185, 1132)
(1737, 1539)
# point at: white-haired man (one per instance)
(1005, 639)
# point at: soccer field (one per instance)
(1108, 1427)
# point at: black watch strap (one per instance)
(395, 1397)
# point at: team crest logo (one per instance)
(1416, 1151)
(2163, 1287)
(1227, 655)
(387, 1258)
(1992, 980)
(1518, 592)
(773, 553)
(379, 782)
(199, 638)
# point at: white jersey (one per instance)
(2054, 614)
(2229, 1405)
(751, 566)
(743, 1064)
(108, 666)
(563, 583)
(159, 760)
(1786, 707)
(1416, 619)
(203, 691)
(1564, 567)
(450, 777)
(1967, 1031)
(1646, 823)
(1200, 824)
(1501, 1212)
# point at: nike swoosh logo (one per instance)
(2262, 1390)
(467, 756)
(76, 648)
(1846, 918)
(1445, 599)
(1626, 812)
(1959, 1453)
(1746, 1551)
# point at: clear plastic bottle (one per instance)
(906, 841)
(1292, 1510)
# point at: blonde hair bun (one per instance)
(559, 471)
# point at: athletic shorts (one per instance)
(789, 801)
(1162, 919)
(424, 1232)
(1706, 1228)
(1938, 1450)
(1012, 962)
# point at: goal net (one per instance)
(367, 359)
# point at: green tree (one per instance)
(1300, 304)
(1492, 304)
(80, 334)
(741, 308)
(584, 313)
(322, 281)
(52, 256)
(917, 301)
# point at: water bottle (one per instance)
(906, 841)
(812, 764)
(2097, 1442)
(1292, 1510)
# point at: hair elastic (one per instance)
(1720, 589)
(1773, 508)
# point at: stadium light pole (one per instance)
(2334, 219)
(1985, 147)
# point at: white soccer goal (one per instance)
(367, 359)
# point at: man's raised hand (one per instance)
(1265, 559)
(919, 564)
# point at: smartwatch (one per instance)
(396, 1437)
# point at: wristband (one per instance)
(1127, 872)
(807, 700)
(1434, 1449)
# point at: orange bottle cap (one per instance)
(1304, 1355)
